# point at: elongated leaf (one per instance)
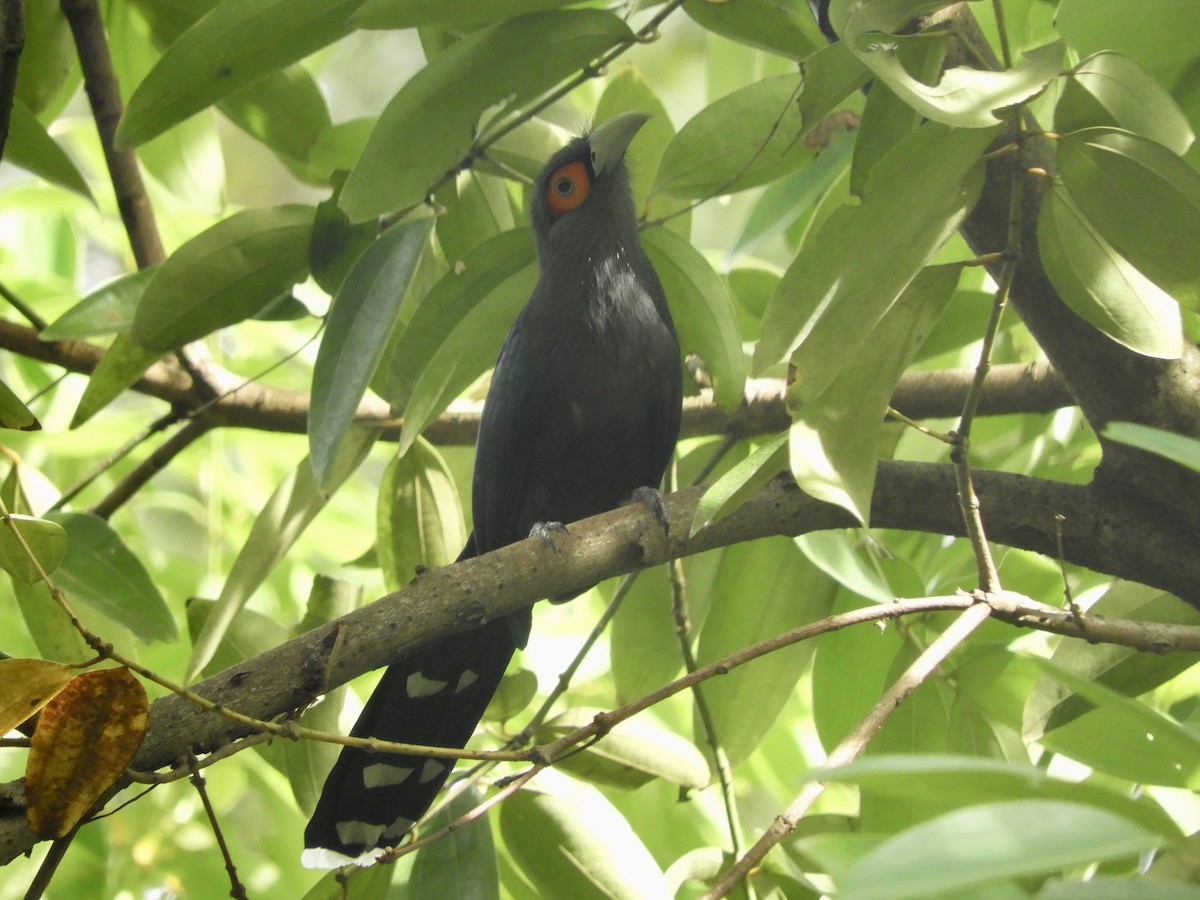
(49, 626)
(419, 516)
(1111, 89)
(477, 208)
(834, 445)
(237, 43)
(106, 310)
(461, 865)
(28, 685)
(286, 111)
(729, 491)
(102, 571)
(48, 59)
(414, 13)
(630, 755)
(1101, 286)
(1122, 737)
(642, 638)
(1176, 447)
(443, 310)
(15, 414)
(971, 780)
(42, 543)
(783, 28)
(430, 123)
(964, 97)
(981, 844)
(30, 147)
(575, 844)
(1141, 198)
(702, 310)
(833, 295)
(1158, 35)
(224, 275)
(758, 133)
(120, 367)
(1051, 703)
(360, 320)
(283, 519)
(787, 590)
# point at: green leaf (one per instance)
(834, 445)
(970, 780)
(120, 367)
(49, 625)
(235, 44)
(250, 634)
(360, 320)
(415, 13)
(733, 488)
(702, 310)
(419, 516)
(1122, 737)
(832, 296)
(1175, 447)
(1110, 89)
(477, 208)
(107, 310)
(102, 571)
(1101, 286)
(985, 843)
(633, 753)
(642, 639)
(462, 864)
(758, 133)
(282, 520)
(575, 844)
(45, 540)
(31, 147)
(783, 28)
(286, 111)
(224, 275)
(845, 556)
(15, 414)
(48, 59)
(1158, 34)
(1141, 198)
(431, 122)
(964, 97)
(337, 245)
(1051, 704)
(751, 583)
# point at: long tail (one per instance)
(435, 697)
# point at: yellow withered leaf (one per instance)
(26, 685)
(86, 738)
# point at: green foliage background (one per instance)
(270, 132)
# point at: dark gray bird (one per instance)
(583, 410)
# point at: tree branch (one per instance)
(12, 42)
(1097, 532)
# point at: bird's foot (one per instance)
(653, 499)
(546, 531)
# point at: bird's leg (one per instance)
(652, 497)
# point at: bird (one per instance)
(582, 415)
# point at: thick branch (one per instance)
(12, 42)
(1101, 535)
(241, 404)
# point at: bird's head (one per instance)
(581, 199)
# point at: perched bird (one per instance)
(583, 410)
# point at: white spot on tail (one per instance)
(432, 769)
(384, 774)
(420, 686)
(465, 680)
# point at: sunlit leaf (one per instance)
(27, 685)
(40, 546)
(359, 323)
(119, 368)
(224, 275)
(31, 148)
(15, 414)
(1177, 447)
(782, 28)
(430, 123)
(106, 310)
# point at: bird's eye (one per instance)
(567, 187)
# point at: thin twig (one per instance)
(853, 744)
(191, 432)
(236, 888)
(21, 306)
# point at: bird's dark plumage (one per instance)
(583, 409)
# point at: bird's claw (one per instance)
(653, 499)
(546, 531)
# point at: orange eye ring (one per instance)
(568, 187)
